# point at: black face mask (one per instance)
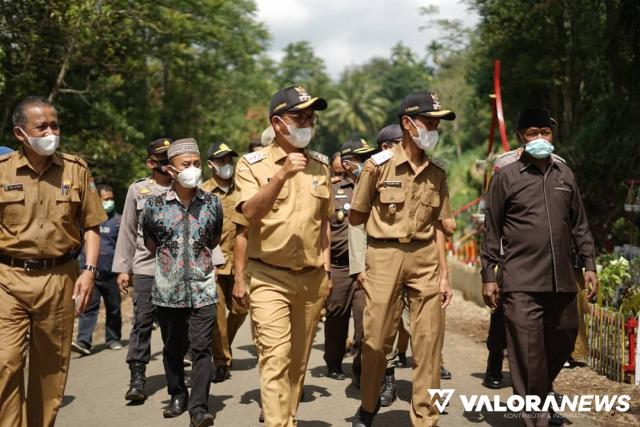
(160, 164)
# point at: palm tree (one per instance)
(357, 108)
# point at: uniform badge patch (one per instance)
(13, 187)
(382, 157)
(255, 157)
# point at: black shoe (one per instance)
(201, 420)
(492, 380)
(363, 418)
(222, 374)
(493, 374)
(402, 360)
(176, 407)
(388, 393)
(444, 373)
(136, 384)
(335, 373)
(80, 347)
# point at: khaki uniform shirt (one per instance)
(131, 254)
(401, 203)
(42, 214)
(289, 235)
(228, 199)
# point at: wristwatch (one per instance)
(91, 268)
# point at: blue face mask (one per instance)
(108, 205)
(539, 148)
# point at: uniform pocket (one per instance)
(67, 206)
(12, 207)
(391, 203)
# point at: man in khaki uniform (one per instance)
(46, 197)
(285, 196)
(220, 161)
(402, 196)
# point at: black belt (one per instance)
(403, 240)
(277, 267)
(35, 264)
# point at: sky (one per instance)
(350, 32)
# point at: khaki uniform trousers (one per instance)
(581, 349)
(40, 303)
(285, 310)
(391, 268)
(227, 325)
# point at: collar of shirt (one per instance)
(276, 151)
(22, 160)
(171, 194)
(217, 187)
(400, 157)
(526, 163)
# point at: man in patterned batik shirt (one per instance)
(182, 227)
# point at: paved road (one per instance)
(95, 391)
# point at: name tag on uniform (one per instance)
(105, 230)
(13, 187)
(341, 196)
(396, 184)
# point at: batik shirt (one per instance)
(183, 240)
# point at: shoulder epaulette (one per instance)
(318, 156)
(506, 158)
(439, 163)
(557, 158)
(7, 156)
(382, 157)
(76, 159)
(139, 180)
(254, 157)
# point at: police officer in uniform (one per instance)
(285, 197)
(220, 161)
(132, 260)
(46, 197)
(346, 295)
(402, 196)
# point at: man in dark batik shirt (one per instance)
(182, 227)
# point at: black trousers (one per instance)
(497, 339)
(107, 288)
(144, 313)
(188, 329)
(345, 298)
(541, 329)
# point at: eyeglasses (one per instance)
(303, 119)
(533, 132)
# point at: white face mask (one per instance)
(298, 137)
(189, 177)
(44, 146)
(225, 171)
(427, 139)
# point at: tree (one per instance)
(123, 73)
(357, 108)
